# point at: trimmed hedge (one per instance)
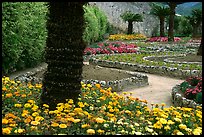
(24, 35)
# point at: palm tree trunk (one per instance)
(130, 27)
(64, 53)
(199, 53)
(162, 26)
(172, 6)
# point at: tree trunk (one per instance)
(172, 6)
(195, 32)
(64, 53)
(130, 27)
(199, 53)
(162, 26)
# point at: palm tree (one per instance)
(195, 20)
(161, 12)
(130, 18)
(64, 53)
(172, 6)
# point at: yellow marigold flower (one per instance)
(90, 131)
(13, 125)
(163, 121)
(100, 120)
(81, 105)
(23, 95)
(27, 105)
(177, 120)
(100, 131)
(70, 101)
(35, 108)
(63, 126)
(35, 123)
(158, 125)
(179, 133)
(38, 85)
(35, 114)
(197, 131)
(4, 88)
(85, 125)
(170, 122)
(27, 120)
(31, 101)
(6, 131)
(76, 120)
(54, 124)
(39, 118)
(45, 105)
(89, 85)
(4, 121)
(128, 111)
(167, 127)
(20, 130)
(18, 105)
(98, 85)
(182, 126)
(8, 95)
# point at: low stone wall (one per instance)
(161, 70)
(179, 101)
(137, 80)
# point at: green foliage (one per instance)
(128, 16)
(199, 97)
(24, 35)
(96, 24)
(184, 85)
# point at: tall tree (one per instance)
(195, 20)
(161, 12)
(64, 53)
(172, 6)
(130, 18)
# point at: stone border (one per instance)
(181, 62)
(137, 79)
(179, 101)
(161, 70)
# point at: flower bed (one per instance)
(188, 93)
(99, 111)
(162, 39)
(134, 62)
(127, 37)
(135, 80)
(110, 47)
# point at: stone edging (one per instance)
(179, 62)
(179, 101)
(161, 70)
(137, 80)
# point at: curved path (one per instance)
(158, 91)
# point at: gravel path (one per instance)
(158, 91)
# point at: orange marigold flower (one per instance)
(6, 131)
(98, 85)
(4, 121)
(63, 126)
(54, 124)
(8, 95)
(35, 123)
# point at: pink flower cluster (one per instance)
(162, 39)
(196, 83)
(110, 48)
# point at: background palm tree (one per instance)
(195, 20)
(161, 12)
(64, 53)
(130, 18)
(172, 6)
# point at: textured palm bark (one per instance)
(162, 18)
(172, 6)
(130, 27)
(64, 53)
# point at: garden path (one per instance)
(158, 91)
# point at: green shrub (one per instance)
(199, 97)
(24, 35)
(96, 24)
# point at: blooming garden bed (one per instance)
(188, 93)
(99, 111)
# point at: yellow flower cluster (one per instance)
(98, 111)
(127, 37)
